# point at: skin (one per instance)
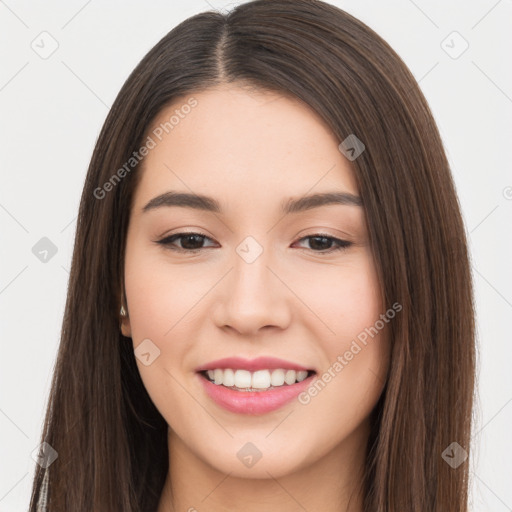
(251, 150)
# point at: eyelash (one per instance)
(167, 241)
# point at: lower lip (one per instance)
(253, 402)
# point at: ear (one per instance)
(126, 328)
(125, 324)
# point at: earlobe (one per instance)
(126, 329)
(125, 323)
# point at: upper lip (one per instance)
(260, 363)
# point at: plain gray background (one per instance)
(52, 109)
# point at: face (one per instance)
(252, 281)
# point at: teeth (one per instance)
(277, 378)
(242, 379)
(228, 378)
(301, 375)
(289, 377)
(261, 379)
(218, 376)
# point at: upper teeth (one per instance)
(261, 379)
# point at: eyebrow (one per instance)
(292, 205)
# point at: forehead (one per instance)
(250, 143)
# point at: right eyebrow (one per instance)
(185, 200)
(291, 205)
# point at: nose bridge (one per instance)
(255, 296)
(251, 275)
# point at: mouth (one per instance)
(254, 387)
(258, 381)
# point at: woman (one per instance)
(270, 303)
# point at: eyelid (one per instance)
(165, 241)
(340, 244)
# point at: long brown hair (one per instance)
(110, 439)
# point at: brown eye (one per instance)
(323, 244)
(190, 242)
(193, 242)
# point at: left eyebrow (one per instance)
(321, 199)
(291, 205)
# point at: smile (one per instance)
(253, 387)
(244, 380)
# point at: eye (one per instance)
(323, 244)
(192, 242)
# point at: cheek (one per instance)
(163, 303)
(160, 303)
(159, 295)
(358, 299)
(356, 351)
(351, 384)
(345, 298)
(351, 381)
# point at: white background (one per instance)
(51, 114)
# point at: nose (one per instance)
(252, 297)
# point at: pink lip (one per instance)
(260, 363)
(253, 402)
